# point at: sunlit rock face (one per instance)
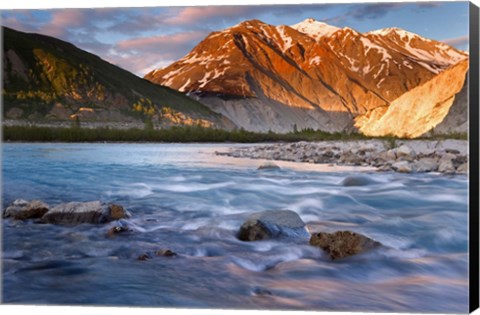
(419, 110)
(313, 75)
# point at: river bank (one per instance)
(404, 156)
(87, 132)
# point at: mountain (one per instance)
(313, 75)
(47, 80)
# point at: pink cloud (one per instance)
(62, 20)
(173, 42)
(193, 15)
(140, 55)
(15, 24)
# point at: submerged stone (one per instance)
(144, 257)
(118, 230)
(165, 252)
(357, 181)
(273, 224)
(342, 244)
(268, 166)
(22, 210)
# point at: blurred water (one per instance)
(185, 198)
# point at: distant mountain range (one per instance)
(255, 76)
(49, 81)
(313, 75)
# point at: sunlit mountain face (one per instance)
(314, 75)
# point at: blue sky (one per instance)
(140, 39)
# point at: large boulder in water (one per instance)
(22, 210)
(356, 180)
(94, 212)
(343, 243)
(273, 224)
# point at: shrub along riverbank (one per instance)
(175, 134)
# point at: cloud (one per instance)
(63, 21)
(428, 5)
(194, 15)
(369, 11)
(373, 11)
(144, 53)
(139, 64)
(137, 38)
(460, 41)
(169, 43)
(22, 20)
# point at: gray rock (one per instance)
(94, 212)
(388, 155)
(348, 157)
(342, 244)
(358, 181)
(384, 168)
(268, 166)
(22, 210)
(463, 169)
(426, 165)
(273, 224)
(402, 167)
(448, 156)
(446, 165)
(405, 152)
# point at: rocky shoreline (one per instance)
(404, 156)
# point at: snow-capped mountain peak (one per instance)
(392, 31)
(433, 55)
(315, 28)
(313, 75)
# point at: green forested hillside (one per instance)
(48, 79)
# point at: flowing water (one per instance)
(185, 198)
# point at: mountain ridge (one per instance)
(52, 81)
(265, 69)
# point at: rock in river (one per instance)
(94, 212)
(273, 224)
(357, 181)
(119, 229)
(343, 243)
(165, 252)
(268, 166)
(22, 210)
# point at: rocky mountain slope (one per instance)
(313, 75)
(47, 80)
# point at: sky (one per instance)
(142, 39)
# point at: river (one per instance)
(185, 198)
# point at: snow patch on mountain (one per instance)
(314, 28)
(287, 40)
